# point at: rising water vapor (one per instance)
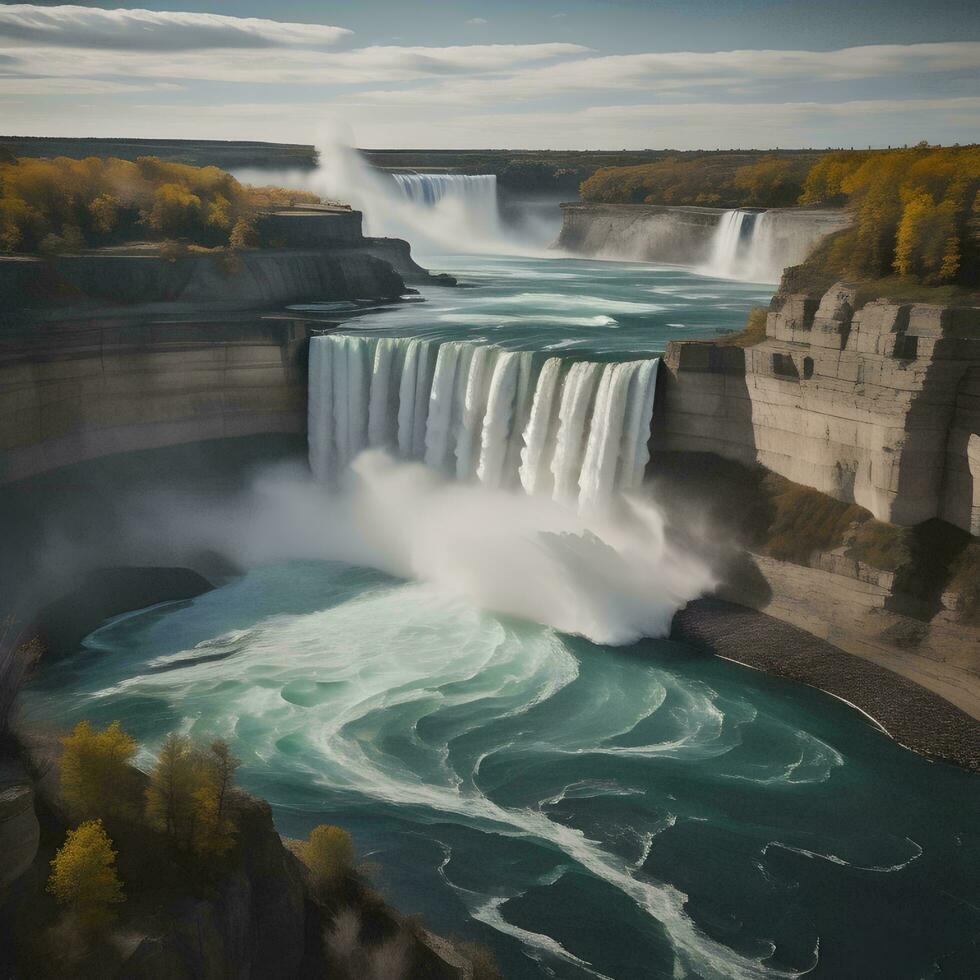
(611, 576)
(436, 212)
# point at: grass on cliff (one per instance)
(754, 331)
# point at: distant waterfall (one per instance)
(575, 431)
(757, 246)
(476, 193)
(730, 244)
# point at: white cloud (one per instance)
(79, 86)
(153, 30)
(284, 66)
(684, 71)
(477, 21)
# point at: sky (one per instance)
(559, 74)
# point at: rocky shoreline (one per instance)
(913, 716)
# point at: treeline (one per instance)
(916, 213)
(66, 204)
(725, 180)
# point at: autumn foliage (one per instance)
(65, 204)
(189, 795)
(712, 180)
(913, 211)
(329, 854)
(96, 777)
(83, 875)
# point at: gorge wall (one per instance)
(690, 235)
(876, 406)
(118, 350)
(80, 389)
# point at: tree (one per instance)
(214, 827)
(96, 777)
(189, 796)
(772, 182)
(175, 211)
(244, 234)
(105, 213)
(83, 875)
(329, 854)
(219, 213)
(170, 796)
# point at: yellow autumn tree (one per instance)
(104, 210)
(926, 244)
(96, 777)
(214, 827)
(329, 854)
(83, 875)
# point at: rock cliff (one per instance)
(249, 280)
(877, 405)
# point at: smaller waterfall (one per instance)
(575, 431)
(730, 243)
(757, 246)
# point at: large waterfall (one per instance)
(576, 431)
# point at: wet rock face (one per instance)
(19, 830)
(878, 406)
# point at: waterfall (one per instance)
(729, 244)
(474, 195)
(577, 431)
(757, 247)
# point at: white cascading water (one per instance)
(729, 244)
(574, 431)
(758, 246)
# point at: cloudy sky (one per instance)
(498, 73)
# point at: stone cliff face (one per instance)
(113, 351)
(261, 279)
(261, 924)
(878, 405)
(684, 235)
(639, 232)
(19, 829)
(80, 389)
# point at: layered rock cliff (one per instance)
(876, 405)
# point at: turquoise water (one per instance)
(628, 812)
(586, 810)
(565, 306)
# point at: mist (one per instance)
(611, 575)
(460, 216)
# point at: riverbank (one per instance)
(911, 714)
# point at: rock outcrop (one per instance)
(877, 405)
(639, 232)
(261, 924)
(19, 829)
(263, 279)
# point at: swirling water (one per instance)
(586, 810)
